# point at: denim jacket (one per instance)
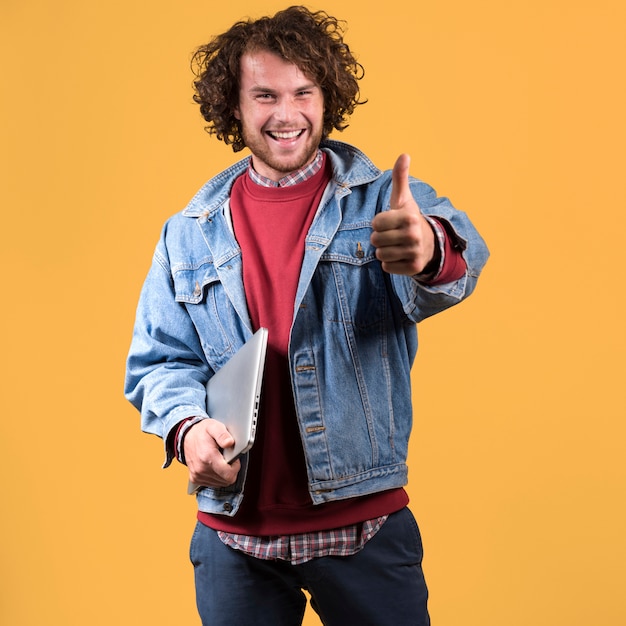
(353, 336)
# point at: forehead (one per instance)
(265, 68)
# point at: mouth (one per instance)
(285, 135)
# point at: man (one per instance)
(339, 261)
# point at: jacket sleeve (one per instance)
(421, 300)
(166, 369)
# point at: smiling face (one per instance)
(281, 111)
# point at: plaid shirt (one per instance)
(306, 546)
(293, 178)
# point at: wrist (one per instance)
(179, 442)
(433, 267)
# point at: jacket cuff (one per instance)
(448, 264)
(175, 443)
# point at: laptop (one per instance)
(234, 393)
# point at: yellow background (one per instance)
(515, 110)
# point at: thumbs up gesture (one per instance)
(403, 238)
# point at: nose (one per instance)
(285, 110)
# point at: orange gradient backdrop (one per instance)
(515, 110)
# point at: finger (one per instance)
(219, 474)
(400, 190)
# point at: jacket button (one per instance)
(228, 507)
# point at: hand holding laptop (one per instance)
(204, 445)
(233, 397)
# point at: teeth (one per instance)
(285, 135)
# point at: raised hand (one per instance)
(403, 238)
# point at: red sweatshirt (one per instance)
(270, 225)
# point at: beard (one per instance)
(276, 158)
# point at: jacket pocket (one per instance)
(191, 280)
(359, 296)
(197, 286)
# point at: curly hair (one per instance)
(311, 41)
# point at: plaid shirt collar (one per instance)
(293, 178)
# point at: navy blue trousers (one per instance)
(382, 584)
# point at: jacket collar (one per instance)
(350, 168)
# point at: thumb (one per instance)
(400, 190)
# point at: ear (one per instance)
(236, 113)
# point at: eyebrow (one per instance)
(261, 89)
